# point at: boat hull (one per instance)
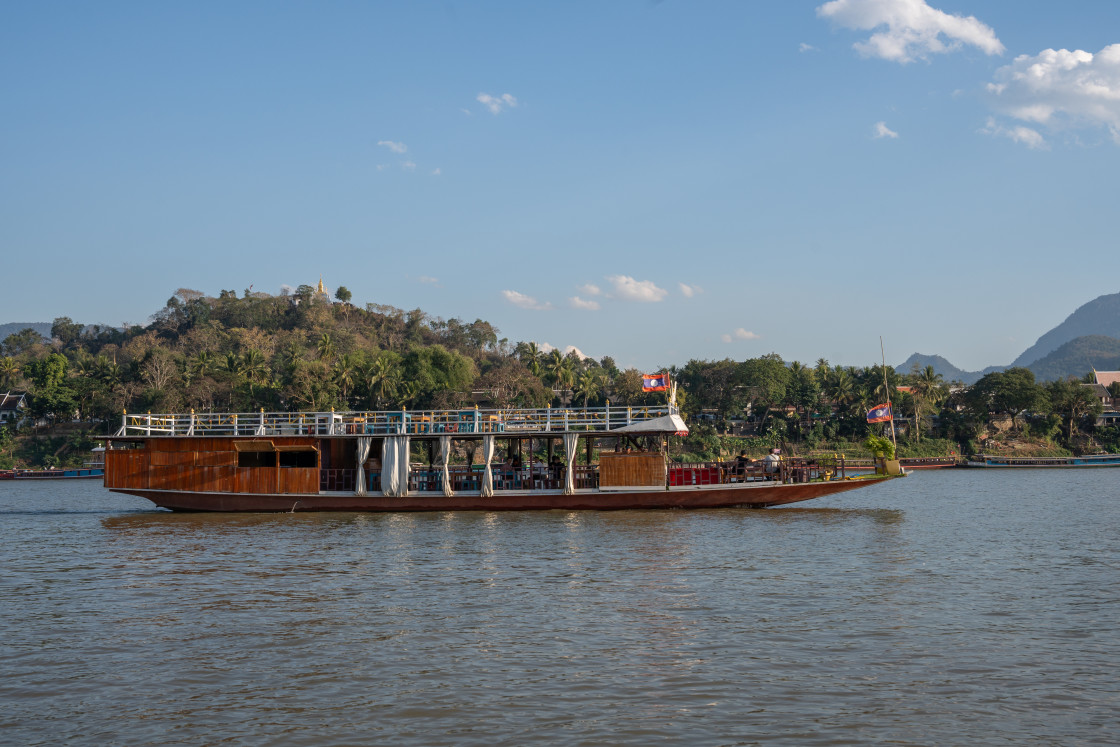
(746, 495)
(1105, 460)
(60, 474)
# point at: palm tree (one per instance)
(382, 379)
(107, 371)
(929, 388)
(531, 357)
(561, 370)
(232, 365)
(254, 367)
(345, 369)
(590, 382)
(9, 370)
(203, 363)
(325, 347)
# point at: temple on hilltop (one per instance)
(321, 292)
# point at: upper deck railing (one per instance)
(384, 423)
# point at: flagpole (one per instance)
(887, 389)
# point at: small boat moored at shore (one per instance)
(51, 474)
(1093, 460)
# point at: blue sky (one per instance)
(657, 181)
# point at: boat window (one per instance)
(299, 459)
(256, 459)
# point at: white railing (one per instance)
(412, 422)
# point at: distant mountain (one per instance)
(1101, 316)
(1078, 357)
(43, 328)
(948, 371)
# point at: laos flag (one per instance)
(879, 413)
(655, 382)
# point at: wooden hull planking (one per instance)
(720, 496)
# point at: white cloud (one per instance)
(408, 166)
(1060, 89)
(578, 303)
(689, 290)
(912, 30)
(382, 166)
(428, 280)
(1031, 138)
(545, 348)
(803, 47)
(579, 353)
(496, 104)
(881, 131)
(525, 302)
(394, 147)
(589, 289)
(436, 172)
(629, 289)
(740, 334)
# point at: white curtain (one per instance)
(394, 466)
(487, 475)
(571, 440)
(364, 443)
(444, 458)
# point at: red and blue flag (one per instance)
(655, 382)
(879, 413)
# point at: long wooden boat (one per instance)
(401, 461)
(1094, 460)
(51, 474)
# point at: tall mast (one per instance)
(887, 389)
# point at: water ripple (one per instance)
(952, 607)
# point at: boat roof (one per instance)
(472, 423)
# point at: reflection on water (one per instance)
(949, 608)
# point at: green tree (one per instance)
(1012, 392)
(66, 331)
(1073, 401)
(52, 395)
(434, 369)
(21, 342)
(767, 379)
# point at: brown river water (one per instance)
(955, 607)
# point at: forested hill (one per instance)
(43, 328)
(944, 367)
(1089, 338)
(1077, 357)
(1099, 317)
(304, 351)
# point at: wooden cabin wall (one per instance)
(631, 470)
(299, 480)
(126, 468)
(203, 465)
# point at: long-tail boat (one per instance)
(402, 461)
(1088, 460)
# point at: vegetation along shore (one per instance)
(309, 351)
